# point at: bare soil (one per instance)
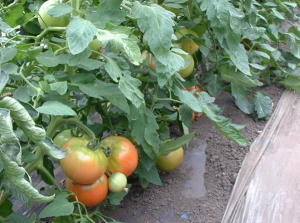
(199, 190)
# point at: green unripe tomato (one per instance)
(117, 182)
(185, 72)
(188, 45)
(45, 20)
(171, 161)
(95, 46)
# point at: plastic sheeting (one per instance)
(267, 189)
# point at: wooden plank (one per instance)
(267, 188)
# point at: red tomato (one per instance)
(91, 194)
(81, 164)
(122, 155)
(197, 88)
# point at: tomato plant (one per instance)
(82, 164)
(46, 20)
(122, 155)
(171, 161)
(89, 194)
(117, 182)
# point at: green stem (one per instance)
(50, 177)
(49, 29)
(70, 70)
(57, 121)
(75, 4)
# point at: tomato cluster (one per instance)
(87, 169)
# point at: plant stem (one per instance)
(57, 121)
(50, 177)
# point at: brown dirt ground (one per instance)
(199, 190)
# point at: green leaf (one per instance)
(214, 83)
(60, 10)
(104, 16)
(212, 111)
(55, 108)
(113, 69)
(143, 129)
(151, 175)
(16, 174)
(294, 45)
(187, 98)
(9, 142)
(100, 89)
(47, 59)
(253, 33)
(129, 87)
(186, 115)
(14, 13)
(165, 71)
(21, 94)
(6, 208)
(292, 82)
(74, 60)
(120, 39)
(262, 105)
(3, 80)
(157, 25)
(17, 218)
(60, 87)
(90, 64)
(60, 206)
(116, 198)
(23, 119)
(10, 68)
(172, 145)
(7, 54)
(236, 77)
(241, 95)
(79, 33)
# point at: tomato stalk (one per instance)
(75, 4)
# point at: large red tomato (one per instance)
(197, 88)
(171, 161)
(82, 164)
(122, 155)
(91, 194)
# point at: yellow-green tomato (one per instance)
(171, 161)
(188, 45)
(45, 20)
(95, 46)
(187, 71)
(117, 182)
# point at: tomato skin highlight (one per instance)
(117, 182)
(81, 164)
(123, 157)
(171, 161)
(62, 137)
(91, 194)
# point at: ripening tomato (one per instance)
(197, 88)
(45, 20)
(90, 194)
(122, 155)
(171, 161)
(82, 164)
(62, 137)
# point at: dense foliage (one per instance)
(117, 68)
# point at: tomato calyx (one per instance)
(93, 144)
(106, 151)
